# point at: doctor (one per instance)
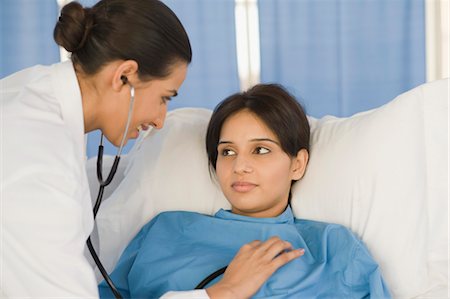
(126, 55)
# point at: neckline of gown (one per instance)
(285, 217)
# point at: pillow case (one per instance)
(383, 173)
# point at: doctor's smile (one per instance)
(143, 127)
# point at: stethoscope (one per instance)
(104, 183)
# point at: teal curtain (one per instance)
(26, 34)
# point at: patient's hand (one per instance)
(251, 267)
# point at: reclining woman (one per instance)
(258, 146)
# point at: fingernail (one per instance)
(302, 251)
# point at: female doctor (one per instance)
(128, 58)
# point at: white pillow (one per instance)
(383, 173)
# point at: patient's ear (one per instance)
(299, 163)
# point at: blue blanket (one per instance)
(177, 250)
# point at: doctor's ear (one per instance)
(299, 164)
(124, 73)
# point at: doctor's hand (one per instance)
(251, 267)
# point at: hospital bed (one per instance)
(383, 173)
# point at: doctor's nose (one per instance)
(158, 123)
(242, 165)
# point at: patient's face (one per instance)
(253, 171)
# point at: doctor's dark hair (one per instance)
(275, 106)
(146, 31)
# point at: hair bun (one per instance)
(73, 27)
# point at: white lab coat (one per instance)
(46, 209)
(46, 205)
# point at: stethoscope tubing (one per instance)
(210, 278)
(101, 190)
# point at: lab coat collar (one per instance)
(285, 217)
(67, 90)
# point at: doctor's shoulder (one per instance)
(29, 94)
(31, 110)
(20, 79)
(26, 93)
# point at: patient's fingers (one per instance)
(277, 248)
(286, 257)
(269, 249)
(272, 247)
(270, 242)
(253, 244)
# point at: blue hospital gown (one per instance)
(177, 250)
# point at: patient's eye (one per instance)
(261, 150)
(227, 152)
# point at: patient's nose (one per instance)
(242, 165)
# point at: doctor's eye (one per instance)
(227, 152)
(261, 150)
(165, 100)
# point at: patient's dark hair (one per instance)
(145, 31)
(275, 106)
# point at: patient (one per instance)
(258, 146)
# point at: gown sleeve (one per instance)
(364, 275)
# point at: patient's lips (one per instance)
(243, 186)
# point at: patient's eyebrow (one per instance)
(264, 139)
(251, 140)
